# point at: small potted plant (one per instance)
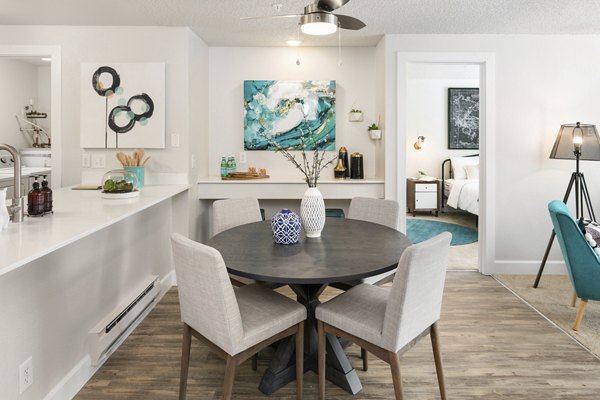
(374, 131)
(355, 115)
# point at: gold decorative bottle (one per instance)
(339, 172)
(343, 155)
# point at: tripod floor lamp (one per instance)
(574, 142)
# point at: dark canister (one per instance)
(343, 155)
(356, 166)
(339, 172)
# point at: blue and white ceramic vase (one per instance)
(286, 227)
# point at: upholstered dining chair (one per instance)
(583, 265)
(229, 213)
(234, 323)
(387, 322)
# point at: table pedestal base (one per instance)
(282, 368)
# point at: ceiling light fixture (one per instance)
(46, 59)
(293, 42)
(318, 24)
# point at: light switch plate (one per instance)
(242, 157)
(174, 140)
(85, 160)
(98, 161)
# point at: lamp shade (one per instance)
(571, 136)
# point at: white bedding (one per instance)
(463, 194)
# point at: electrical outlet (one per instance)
(85, 160)
(98, 161)
(174, 140)
(242, 157)
(25, 375)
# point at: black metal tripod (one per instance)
(581, 195)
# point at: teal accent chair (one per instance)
(582, 262)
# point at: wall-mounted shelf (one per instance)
(213, 188)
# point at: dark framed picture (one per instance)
(463, 118)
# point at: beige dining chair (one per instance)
(229, 213)
(234, 323)
(387, 322)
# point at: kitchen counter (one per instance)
(77, 214)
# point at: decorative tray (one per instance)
(242, 176)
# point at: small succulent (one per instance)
(373, 127)
(355, 110)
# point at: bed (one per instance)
(460, 183)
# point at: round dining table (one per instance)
(348, 250)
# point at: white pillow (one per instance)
(472, 171)
(459, 163)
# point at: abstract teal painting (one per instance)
(294, 114)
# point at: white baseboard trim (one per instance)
(519, 267)
(68, 387)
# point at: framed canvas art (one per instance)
(122, 105)
(463, 118)
(294, 114)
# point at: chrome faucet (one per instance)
(17, 209)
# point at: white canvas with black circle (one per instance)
(122, 105)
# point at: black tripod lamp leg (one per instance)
(541, 270)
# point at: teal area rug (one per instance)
(419, 230)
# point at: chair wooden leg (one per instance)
(365, 358)
(437, 355)
(574, 299)
(321, 359)
(185, 361)
(255, 362)
(229, 376)
(579, 316)
(299, 360)
(395, 366)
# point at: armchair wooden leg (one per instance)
(229, 376)
(255, 362)
(365, 358)
(579, 316)
(321, 359)
(185, 361)
(299, 360)
(395, 366)
(437, 355)
(574, 299)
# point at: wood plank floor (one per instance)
(494, 347)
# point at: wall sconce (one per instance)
(420, 143)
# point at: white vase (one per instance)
(4, 217)
(312, 211)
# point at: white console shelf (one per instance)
(288, 188)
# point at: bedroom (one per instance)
(438, 161)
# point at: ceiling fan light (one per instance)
(318, 24)
(293, 42)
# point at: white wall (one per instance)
(117, 44)
(230, 66)
(539, 86)
(427, 113)
(19, 83)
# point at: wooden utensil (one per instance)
(145, 161)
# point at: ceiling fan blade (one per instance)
(330, 5)
(273, 16)
(351, 23)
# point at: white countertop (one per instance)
(77, 214)
(287, 180)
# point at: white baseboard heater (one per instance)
(110, 329)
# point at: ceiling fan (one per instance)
(319, 19)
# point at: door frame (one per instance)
(487, 141)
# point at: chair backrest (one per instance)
(227, 214)
(206, 297)
(583, 265)
(415, 301)
(377, 211)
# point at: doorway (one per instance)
(485, 63)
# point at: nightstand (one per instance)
(423, 196)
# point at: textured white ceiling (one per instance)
(218, 23)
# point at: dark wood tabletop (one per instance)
(347, 250)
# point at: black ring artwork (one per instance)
(149, 103)
(113, 125)
(116, 81)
